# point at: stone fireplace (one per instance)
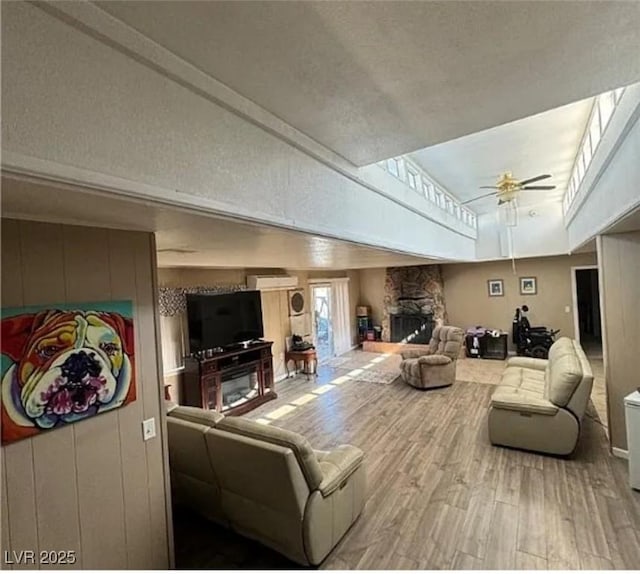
(413, 328)
(413, 302)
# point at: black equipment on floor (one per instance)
(495, 346)
(484, 343)
(531, 341)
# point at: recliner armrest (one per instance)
(337, 466)
(528, 363)
(513, 400)
(415, 354)
(434, 360)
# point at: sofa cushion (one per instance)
(434, 360)
(528, 363)
(527, 379)
(523, 389)
(196, 415)
(563, 373)
(415, 353)
(446, 340)
(301, 448)
(188, 450)
(522, 400)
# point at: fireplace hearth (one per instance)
(413, 328)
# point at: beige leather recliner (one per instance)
(436, 366)
(264, 482)
(539, 404)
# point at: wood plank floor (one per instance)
(439, 495)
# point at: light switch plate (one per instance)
(567, 309)
(148, 429)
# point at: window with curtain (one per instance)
(341, 314)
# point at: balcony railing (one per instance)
(603, 108)
(417, 179)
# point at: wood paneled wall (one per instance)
(619, 262)
(95, 486)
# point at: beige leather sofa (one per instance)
(539, 403)
(264, 482)
(436, 366)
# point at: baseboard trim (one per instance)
(620, 453)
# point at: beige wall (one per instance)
(94, 486)
(465, 291)
(372, 291)
(619, 257)
(275, 310)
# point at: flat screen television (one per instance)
(223, 320)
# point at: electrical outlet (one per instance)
(148, 429)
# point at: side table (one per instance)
(307, 357)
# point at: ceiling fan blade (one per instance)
(488, 187)
(537, 178)
(479, 197)
(537, 187)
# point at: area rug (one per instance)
(380, 377)
(337, 361)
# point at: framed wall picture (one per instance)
(61, 364)
(495, 287)
(528, 286)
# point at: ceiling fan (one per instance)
(507, 187)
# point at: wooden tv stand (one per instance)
(232, 382)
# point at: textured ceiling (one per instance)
(544, 143)
(188, 239)
(371, 80)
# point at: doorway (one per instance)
(588, 332)
(322, 323)
(586, 303)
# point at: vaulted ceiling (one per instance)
(372, 80)
(542, 144)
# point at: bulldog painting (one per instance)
(61, 365)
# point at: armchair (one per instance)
(436, 366)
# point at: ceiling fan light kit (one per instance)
(507, 189)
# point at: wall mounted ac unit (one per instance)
(271, 282)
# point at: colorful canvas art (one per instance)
(64, 363)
